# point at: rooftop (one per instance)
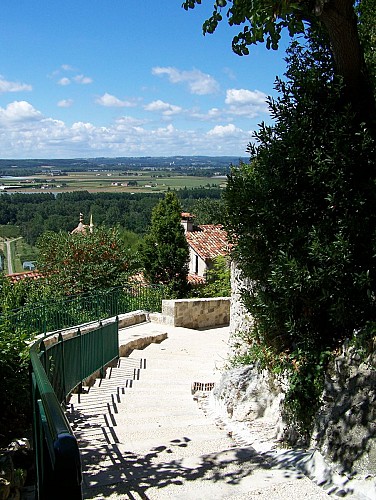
(20, 276)
(208, 241)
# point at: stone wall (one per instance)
(342, 450)
(240, 317)
(345, 430)
(194, 313)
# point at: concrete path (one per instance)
(9, 256)
(142, 434)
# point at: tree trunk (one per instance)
(339, 18)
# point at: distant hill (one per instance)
(185, 164)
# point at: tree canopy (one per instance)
(302, 217)
(84, 262)
(263, 21)
(165, 253)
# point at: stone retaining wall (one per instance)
(194, 313)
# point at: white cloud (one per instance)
(244, 102)
(19, 111)
(211, 115)
(128, 122)
(65, 103)
(7, 86)
(224, 130)
(25, 132)
(163, 107)
(82, 80)
(198, 82)
(64, 81)
(67, 67)
(109, 100)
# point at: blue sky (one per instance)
(88, 78)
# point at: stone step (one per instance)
(148, 438)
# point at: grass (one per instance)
(12, 257)
(21, 251)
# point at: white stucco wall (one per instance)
(192, 263)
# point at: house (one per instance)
(15, 277)
(206, 242)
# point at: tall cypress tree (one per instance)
(165, 252)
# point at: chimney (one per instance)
(187, 221)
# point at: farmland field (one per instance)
(110, 181)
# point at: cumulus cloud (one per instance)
(246, 102)
(211, 115)
(224, 130)
(25, 132)
(79, 78)
(19, 111)
(128, 122)
(163, 107)
(82, 79)
(198, 82)
(65, 103)
(64, 81)
(111, 101)
(7, 86)
(67, 67)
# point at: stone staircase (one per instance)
(92, 413)
(142, 434)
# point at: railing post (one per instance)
(61, 341)
(38, 442)
(102, 349)
(44, 319)
(81, 363)
(67, 473)
(43, 357)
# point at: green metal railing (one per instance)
(57, 314)
(58, 365)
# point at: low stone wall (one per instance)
(132, 318)
(194, 313)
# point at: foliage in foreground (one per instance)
(14, 365)
(303, 217)
(15, 393)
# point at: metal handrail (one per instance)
(58, 464)
(43, 317)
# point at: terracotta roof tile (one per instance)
(20, 276)
(208, 241)
(194, 279)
